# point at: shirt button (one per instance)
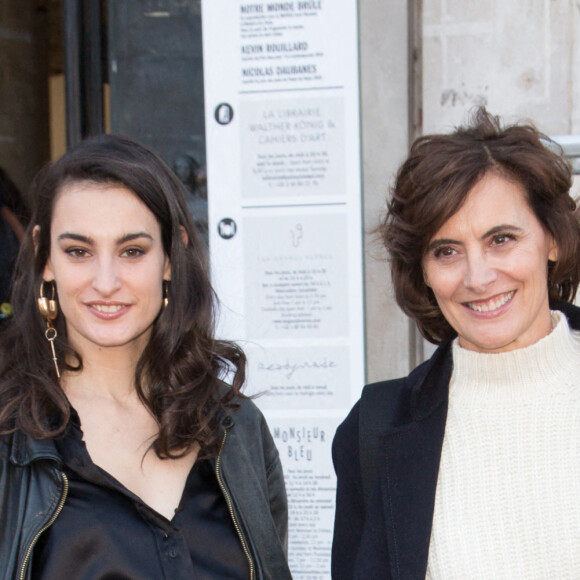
(172, 554)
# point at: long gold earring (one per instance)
(165, 293)
(48, 308)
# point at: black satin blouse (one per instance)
(106, 532)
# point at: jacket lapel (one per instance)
(412, 453)
(409, 481)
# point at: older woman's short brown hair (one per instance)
(433, 183)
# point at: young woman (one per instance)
(124, 453)
(470, 466)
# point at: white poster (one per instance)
(305, 448)
(294, 285)
(293, 148)
(283, 167)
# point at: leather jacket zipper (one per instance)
(45, 527)
(231, 509)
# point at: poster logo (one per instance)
(227, 228)
(224, 113)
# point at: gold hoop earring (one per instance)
(48, 308)
(165, 294)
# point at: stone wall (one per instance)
(520, 59)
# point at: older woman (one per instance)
(123, 452)
(471, 464)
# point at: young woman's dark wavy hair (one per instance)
(178, 374)
(433, 183)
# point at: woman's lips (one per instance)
(491, 305)
(110, 308)
(108, 311)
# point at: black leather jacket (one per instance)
(33, 490)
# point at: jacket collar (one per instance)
(24, 449)
(571, 312)
(429, 382)
(412, 453)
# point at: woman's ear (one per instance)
(553, 252)
(167, 269)
(48, 273)
(167, 266)
(184, 236)
(35, 237)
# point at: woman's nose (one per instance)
(479, 273)
(106, 279)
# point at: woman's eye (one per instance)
(133, 252)
(444, 252)
(500, 239)
(77, 252)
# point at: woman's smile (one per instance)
(109, 310)
(491, 305)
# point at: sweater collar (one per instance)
(518, 376)
(429, 382)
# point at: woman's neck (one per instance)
(106, 373)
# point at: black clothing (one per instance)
(90, 537)
(34, 489)
(390, 540)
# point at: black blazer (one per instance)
(390, 538)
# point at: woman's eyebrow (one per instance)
(135, 236)
(501, 228)
(75, 237)
(88, 240)
(495, 230)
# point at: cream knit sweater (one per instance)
(508, 495)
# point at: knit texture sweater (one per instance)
(507, 504)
